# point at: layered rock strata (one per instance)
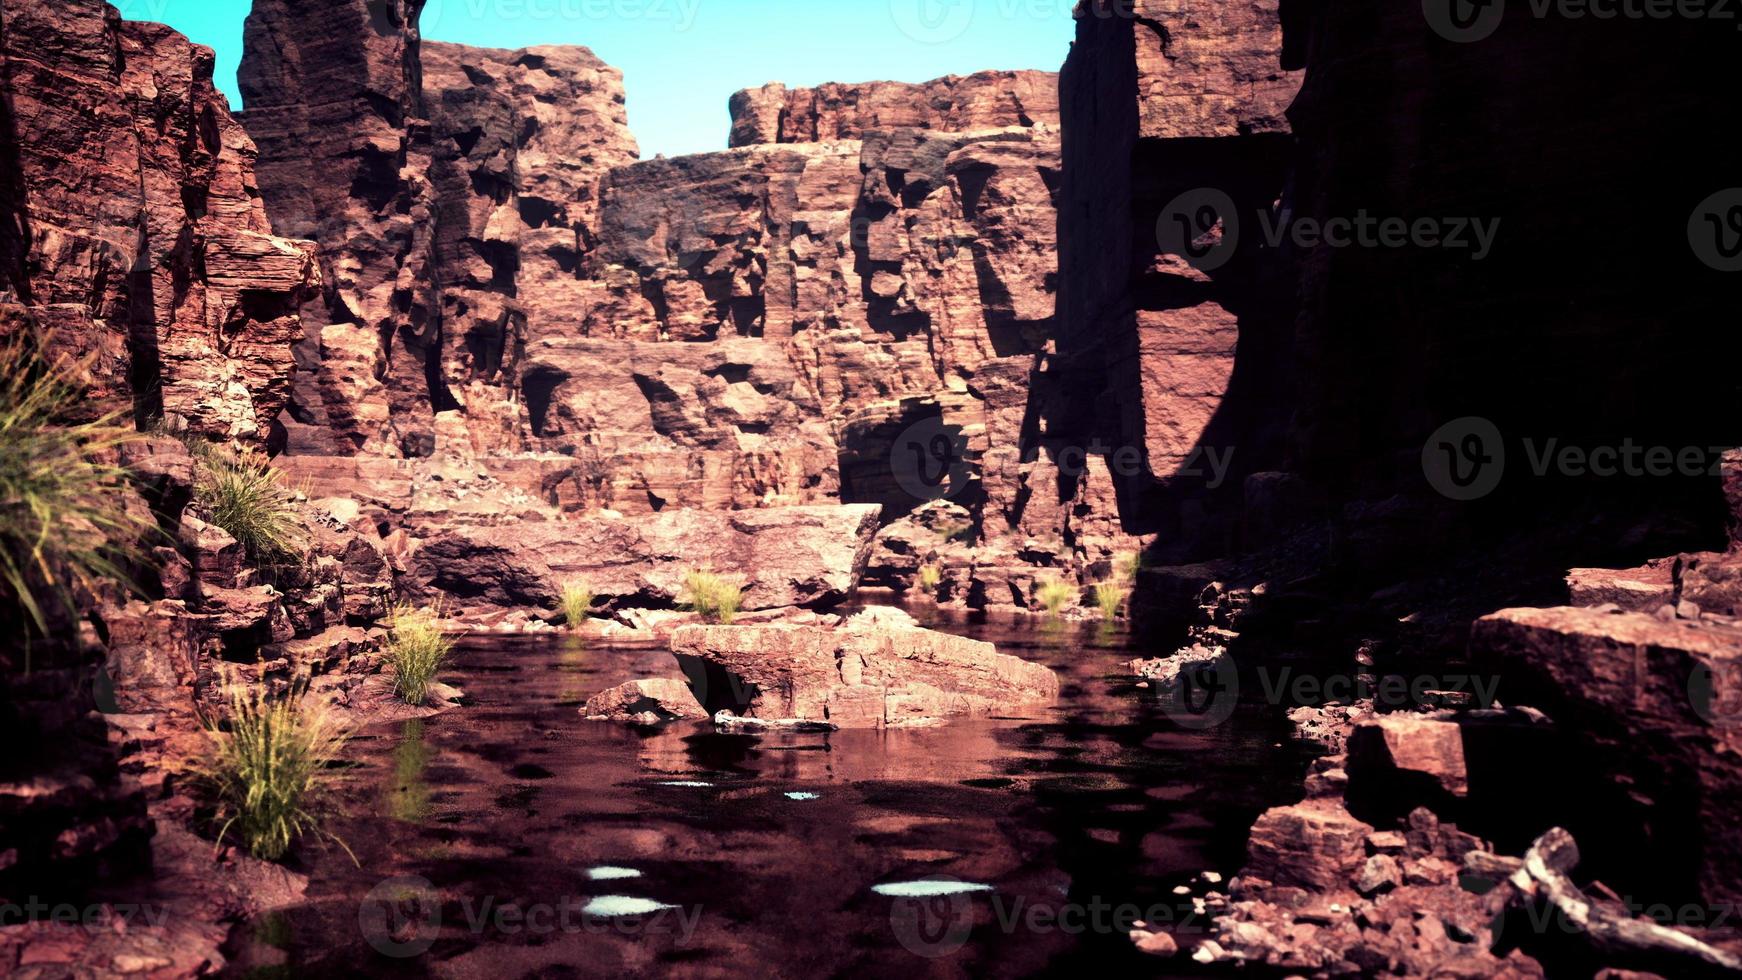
(134, 249)
(854, 305)
(987, 100)
(133, 221)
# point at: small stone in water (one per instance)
(609, 873)
(1155, 943)
(688, 784)
(801, 797)
(1208, 952)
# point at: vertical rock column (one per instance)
(1165, 111)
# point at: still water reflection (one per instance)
(511, 838)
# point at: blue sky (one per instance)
(682, 59)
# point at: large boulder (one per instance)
(1317, 846)
(651, 701)
(790, 556)
(879, 669)
(1396, 762)
(1658, 699)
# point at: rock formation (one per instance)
(1199, 313)
(1162, 106)
(450, 189)
(988, 100)
(972, 326)
(854, 305)
(877, 670)
(133, 225)
(1660, 697)
(134, 245)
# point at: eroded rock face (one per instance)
(134, 243)
(878, 670)
(854, 306)
(791, 556)
(131, 211)
(987, 100)
(1159, 106)
(450, 189)
(1661, 697)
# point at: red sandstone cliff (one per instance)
(134, 223)
(451, 189)
(768, 325)
(1158, 105)
(1328, 366)
(987, 100)
(131, 232)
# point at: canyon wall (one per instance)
(855, 304)
(1161, 105)
(133, 241)
(451, 190)
(133, 225)
(1200, 309)
(1251, 334)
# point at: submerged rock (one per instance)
(879, 669)
(726, 721)
(1167, 670)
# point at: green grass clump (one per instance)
(270, 763)
(417, 649)
(1127, 566)
(715, 597)
(930, 577)
(1055, 595)
(246, 497)
(577, 604)
(1111, 596)
(63, 518)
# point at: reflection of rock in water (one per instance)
(408, 793)
(1030, 802)
(572, 664)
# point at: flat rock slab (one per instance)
(1659, 697)
(1643, 589)
(877, 670)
